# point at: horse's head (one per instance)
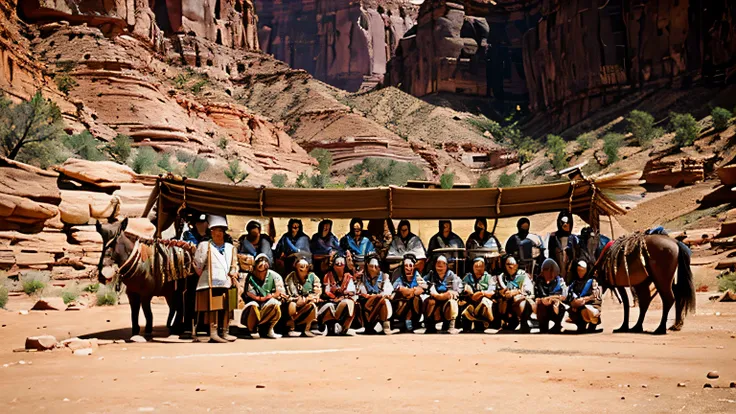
(116, 247)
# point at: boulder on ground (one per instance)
(41, 343)
(101, 174)
(46, 304)
(74, 214)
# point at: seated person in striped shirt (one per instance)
(441, 304)
(374, 296)
(409, 288)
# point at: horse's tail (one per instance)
(684, 289)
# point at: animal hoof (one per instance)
(622, 330)
(637, 329)
(660, 331)
(676, 328)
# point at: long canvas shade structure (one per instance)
(584, 197)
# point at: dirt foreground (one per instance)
(437, 373)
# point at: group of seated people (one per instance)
(342, 285)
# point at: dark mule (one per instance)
(666, 257)
(141, 287)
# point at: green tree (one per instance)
(120, 148)
(685, 127)
(721, 117)
(195, 167)
(483, 182)
(164, 163)
(585, 141)
(556, 149)
(508, 180)
(235, 173)
(641, 126)
(84, 146)
(611, 143)
(383, 172)
(324, 159)
(144, 161)
(222, 143)
(34, 121)
(447, 180)
(278, 180)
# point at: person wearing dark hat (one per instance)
(527, 246)
(374, 296)
(445, 238)
(409, 292)
(339, 299)
(441, 303)
(550, 292)
(264, 291)
(563, 245)
(304, 289)
(215, 261)
(324, 244)
(584, 299)
(356, 241)
(294, 243)
(516, 295)
(254, 242)
(479, 289)
(481, 238)
(198, 229)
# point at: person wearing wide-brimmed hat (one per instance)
(374, 296)
(215, 261)
(550, 292)
(479, 289)
(300, 308)
(263, 293)
(409, 291)
(515, 295)
(584, 299)
(441, 303)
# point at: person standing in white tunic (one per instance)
(216, 263)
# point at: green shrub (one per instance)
(382, 172)
(106, 296)
(721, 117)
(65, 83)
(92, 287)
(685, 127)
(69, 296)
(119, 149)
(611, 144)
(197, 87)
(234, 172)
(3, 296)
(556, 149)
(483, 124)
(85, 146)
(541, 169)
(185, 157)
(222, 143)
(34, 282)
(727, 281)
(278, 180)
(196, 167)
(144, 161)
(34, 121)
(324, 159)
(483, 182)
(447, 180)
(585, 141)
(164, 163)
(641, 126)
(44, 154)
(508, 180)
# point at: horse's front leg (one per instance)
(134, 300)
(146, 303)
(625, 303)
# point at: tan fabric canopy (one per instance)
(584, 197)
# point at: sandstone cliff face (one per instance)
(344, 43)
(568, 58)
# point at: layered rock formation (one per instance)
(344, 43)
(565, 57)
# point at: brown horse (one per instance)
(141, 286)
(651, 259)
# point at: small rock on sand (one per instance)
(47, 304)
(707, 385)
(713, 375)
(41, 343)
(137, 339)
(681, 384)
(260, 386)
(83, 351)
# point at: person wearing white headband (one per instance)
(374, 297)
(339, 307)
(216, 263)
(550, 291)
(479, 289)
(303, 289)
(441, 305)
(516, 302)
(264, 291)
(409, 289)
(585, 299)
